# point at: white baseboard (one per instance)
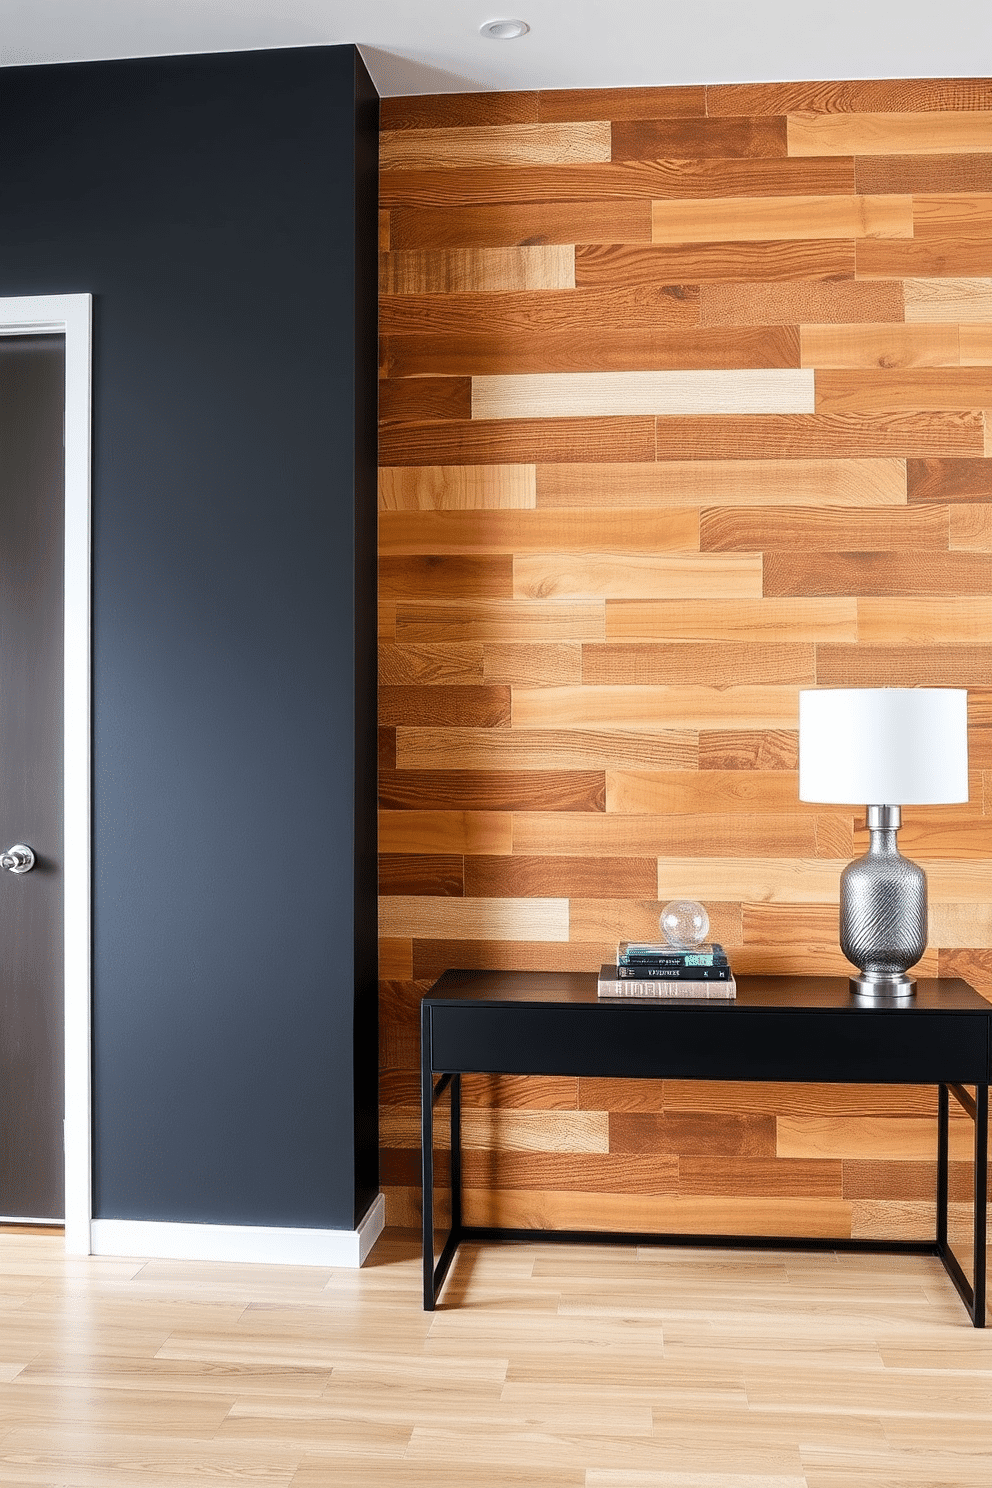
(267, 1245)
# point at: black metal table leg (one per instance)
(942, 1164)
(977, 1107)
(427, 1158)
(981, 1199)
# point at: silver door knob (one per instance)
(18, 859)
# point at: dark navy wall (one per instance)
(221, 210)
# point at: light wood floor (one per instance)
(546, 1367)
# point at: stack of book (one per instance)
(645, 970)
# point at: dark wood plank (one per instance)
(564, 105)
(490, 353)
(761, 1177)
(692, 1133)
(803, 302)
(406, 665)
(905, 666)
(928, 258)
(541, 312)
(812, 435)
(387, 749)
(748, 749)
(904, 1181)
(496, 790)
(560, 877)
(881, 96)
(450, 577)
(587, 1172)
(515, 441)
(699, 139)
(706, 664)
(918, 175)
(949, 480)
(615, 221)
(809, 572)
(431, 958)
(610, 262)
(413, 397)
(457, 110)
(440, 874)
(436, 707)
(766, 528)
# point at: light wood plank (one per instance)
(610, 920)
(723, 664)
(457, 488)
(594, 394)
(406, 532)
(971, 528)
(474, 919)
(569, 576)
(873, 529)
(495, 145)
(948, 299)
(935, 132)
(883, 345)
(867, 390)
(802, 301)
(755, 218)
(544, 749)
(907, 622)
(892, 1138)
(477, 269)
(701, 792)
(650, 707)
(861, 96)
(748, 620)
(792, 836)
(496, 620)
(841, 436)
(975, 343)
(691, 1214)
(538, 665)
(512, 1131)
(724, 483)
(444, 832)
(953, 925)
(951, 214)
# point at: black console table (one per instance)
(779, 1028)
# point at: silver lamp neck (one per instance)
(884, 818)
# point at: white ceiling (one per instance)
(434, 46)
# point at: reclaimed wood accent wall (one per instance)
(685, 405)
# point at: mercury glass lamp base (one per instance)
(883, 988)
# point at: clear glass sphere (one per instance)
(684, 922)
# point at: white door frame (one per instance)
(72, 316)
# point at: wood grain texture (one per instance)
(711, 836)
(970, 528)
(748, 621)
(499, 441)
(475, 919)
(541, 665)
(457, 488)
(613, 262)
(685, 705)
(527, 876)
(519, 225)
(480, 577)
(724, 483)
(701, 139)
(951, 214)
(701, 792)
(543, 749)
(935, 132)
(805, 301)
(589, 395)
(942, 299)
(515, 532)
(477, 270)
(491, 145)
(949, 480)
(904, 666)
(467, 706)
(542, 312)
(406, 665)
(706, 664)
(773, 528)
(434, 832)
(497, 790)
(569, 576)
(955, 257)
(496, 620)
(903, 388)
(907, 622)
(879, 573)
(923, 173)
(748, 749)
(889, 95)
(425, 398)
(880, 346)
(622, 103)
(849, 435)
(457, 110)
(975, 345)
(440, 873)
(765, 219)
(785, 881)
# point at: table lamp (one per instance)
(886, 747)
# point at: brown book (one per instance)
(668, 990)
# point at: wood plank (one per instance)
(481, 270)
(749, 621)
(532, 875)
(466, 706)
(895, 622)
(943, 300)
(439, 873)
(944, 257)
(613, 259)
(974, 965)
(949, 480)
(926, 838)
(474, 919)
(456, 577)
(723, 663)
(975, 345)
(431, 958)
(935, 132)
(395, 958)
(457, 110)
(826, 435)
(405, 398)
(951, 214)
(923, 173)
(761, 1177)
(868, 390)
(545, 749)
(726, 529)
(445, 832)
(383, 231)
(643, 1173)
(562, 576)
(865, 1178)
(457, 488)
(492, 790)
(386, 621)
(765, 219)
(407, 665)
(605, 922)
(632, 179)
(685, 102)
(883, 1138)
(629, 394)
(498, 620)
(701, 139)
(804, 301)
(819, 958)
(795, 482)
(702, 793)
(953, 925)
(491, 532)
(386, 752)
(686, 706)
(664, 1214)
(494, 1132)
(875, 345)
(519, 224)
(494, 145)
(888, 573)
(791, 924)
(503, 441)
(527, 1092)
(746, 835)
(699, 1134)
(748, 749)
(543, 664)
(761, 880)
(779, 1098)
(887, 95)
(483, 352)
(543, 312)
(971, 529)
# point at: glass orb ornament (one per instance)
(684, 922)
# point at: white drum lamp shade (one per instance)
(899, 746)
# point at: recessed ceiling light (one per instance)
(504, 30)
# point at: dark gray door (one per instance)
(32, 1079)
